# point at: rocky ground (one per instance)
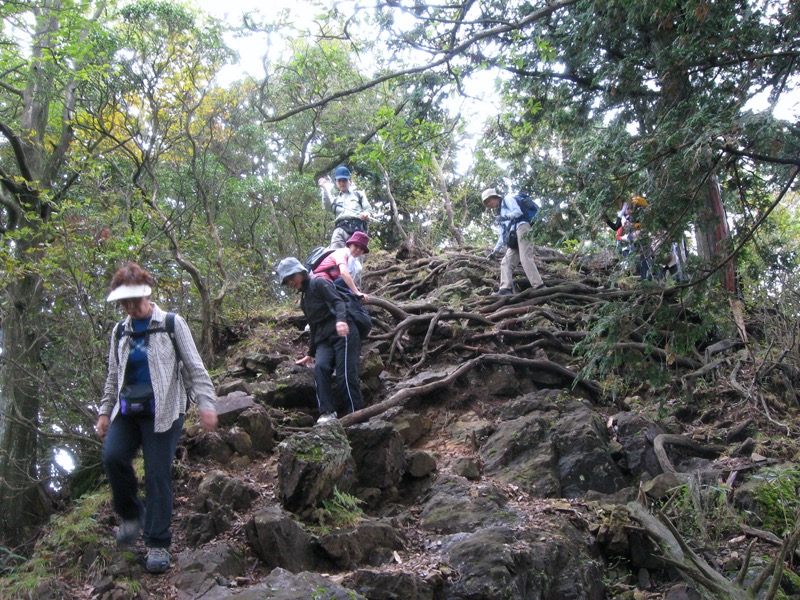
(497, 458)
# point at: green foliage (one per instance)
(341, 511)
(777, 499)
(58, 552)
(678, 326)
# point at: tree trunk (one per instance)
(22, 501)
(713, 245)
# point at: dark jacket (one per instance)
(323, 307)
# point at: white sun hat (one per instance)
(129, 291)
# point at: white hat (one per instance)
(489, 193)
(129, 291)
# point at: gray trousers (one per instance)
(512, 258)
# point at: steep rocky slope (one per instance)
(512, 447)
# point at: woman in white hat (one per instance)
(152, 361)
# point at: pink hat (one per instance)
(360, 238)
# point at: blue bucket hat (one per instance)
(341, 173)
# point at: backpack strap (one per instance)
(169, 329)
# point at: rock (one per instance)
(197, 572)
(378, 585)
(370, 542)
(234, 385)
(660, 485)
(209, 445)
(200, 528)
(291, 387)
(502, 380)
(231, 406)
(556, 450)
(240, 441)
(636, 434)
(278, 541)
(410, 425)
(370, 369)
(283, 585)
(311, 465)
(682, 591)
(378, 452)
(263, 363)
(585, 462)
(226, 490)
(455, 507)
(499, 562)
(420, 464)
(256, 422)
(467, 467)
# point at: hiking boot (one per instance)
(128, 531)
(502, 292)
(157, 560)
(326, 418)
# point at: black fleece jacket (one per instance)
(323, 307)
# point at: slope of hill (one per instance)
(596, 438)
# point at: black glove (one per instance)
(491, 255)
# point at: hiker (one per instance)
(350, 207)
(143, 406)
(632, 240)
(514, 224)
(342, 266)
(334, 340)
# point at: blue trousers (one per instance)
(124, 438)
(343, 354)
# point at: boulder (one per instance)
(256, 422)
(292, 386)
(369, 543)
(468, 468)
(453, 506)
(278, 541)
(636, 433)
(381, 585)
(311, 465)
(234, 385)
(410, 425)
(500, 562)
(283, 585)
(199, 573)
(555, 449)
(225, 490)
(378, 452)
(420, 464)
(231, 406)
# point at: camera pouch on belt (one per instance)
(352, 225)
(137, 400)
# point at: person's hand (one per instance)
(102, 425)
(342, 328)
(492, 255)
(306, 360)
(364, 216)
(208, 419)
(321, 181)
(363, 296)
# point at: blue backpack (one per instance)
(527, 206)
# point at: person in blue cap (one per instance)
(350, 207)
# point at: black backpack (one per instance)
(168, 328)
(316, 257)
(355, 308)
(356, 313)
